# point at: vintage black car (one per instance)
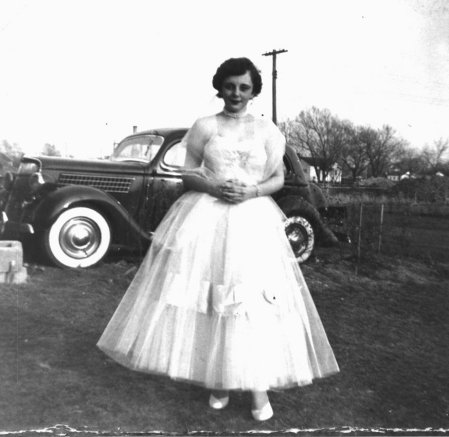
(77, 210)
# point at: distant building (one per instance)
(395, 174)
(333, 177)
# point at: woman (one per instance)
(219, 300)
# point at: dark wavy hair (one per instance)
(237, 67)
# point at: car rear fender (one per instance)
(294, 205)
(297, 205)
(54, 203)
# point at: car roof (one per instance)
(164, 132)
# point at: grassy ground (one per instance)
(388, 326)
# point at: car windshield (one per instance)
(141, 148)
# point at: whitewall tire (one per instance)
(301, 236)
(79, 238)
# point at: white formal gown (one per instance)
(219, 300)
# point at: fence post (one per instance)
(380, 227)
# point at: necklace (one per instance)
(233, 114)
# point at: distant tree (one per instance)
(382, 147)
(445, 168)
(289, 128)
(319, 135)
(50, 150)
(410, 160)
(11, 153)
(354, 155)
(435, 156)
(325, 138)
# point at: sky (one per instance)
(79, 74)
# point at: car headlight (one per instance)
(36, 181)
(8, 181)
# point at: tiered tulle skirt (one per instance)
(219, 301)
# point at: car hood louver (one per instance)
(110, 184)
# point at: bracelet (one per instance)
(257, 190)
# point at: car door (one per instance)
(165, 184)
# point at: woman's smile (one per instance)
(237, 92)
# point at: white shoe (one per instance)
(218, 403)
(264, 413)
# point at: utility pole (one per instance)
(275, 73)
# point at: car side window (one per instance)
(140, 148)
(175, 155)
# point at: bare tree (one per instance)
(290, 130)
(354, 154)
(434, 156)
(318, 134)
(322, 136)
(410, 160)
(382, 147)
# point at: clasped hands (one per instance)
(235, 191)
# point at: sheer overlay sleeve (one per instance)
(195, 139)
(274, 146)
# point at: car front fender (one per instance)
(61, 199)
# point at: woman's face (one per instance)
(237, 91)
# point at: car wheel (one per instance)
(301, 236)
(79, 237)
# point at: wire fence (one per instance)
(396, 229)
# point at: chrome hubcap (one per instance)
(297, 236)
(80, 237)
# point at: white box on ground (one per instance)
(12, 270)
